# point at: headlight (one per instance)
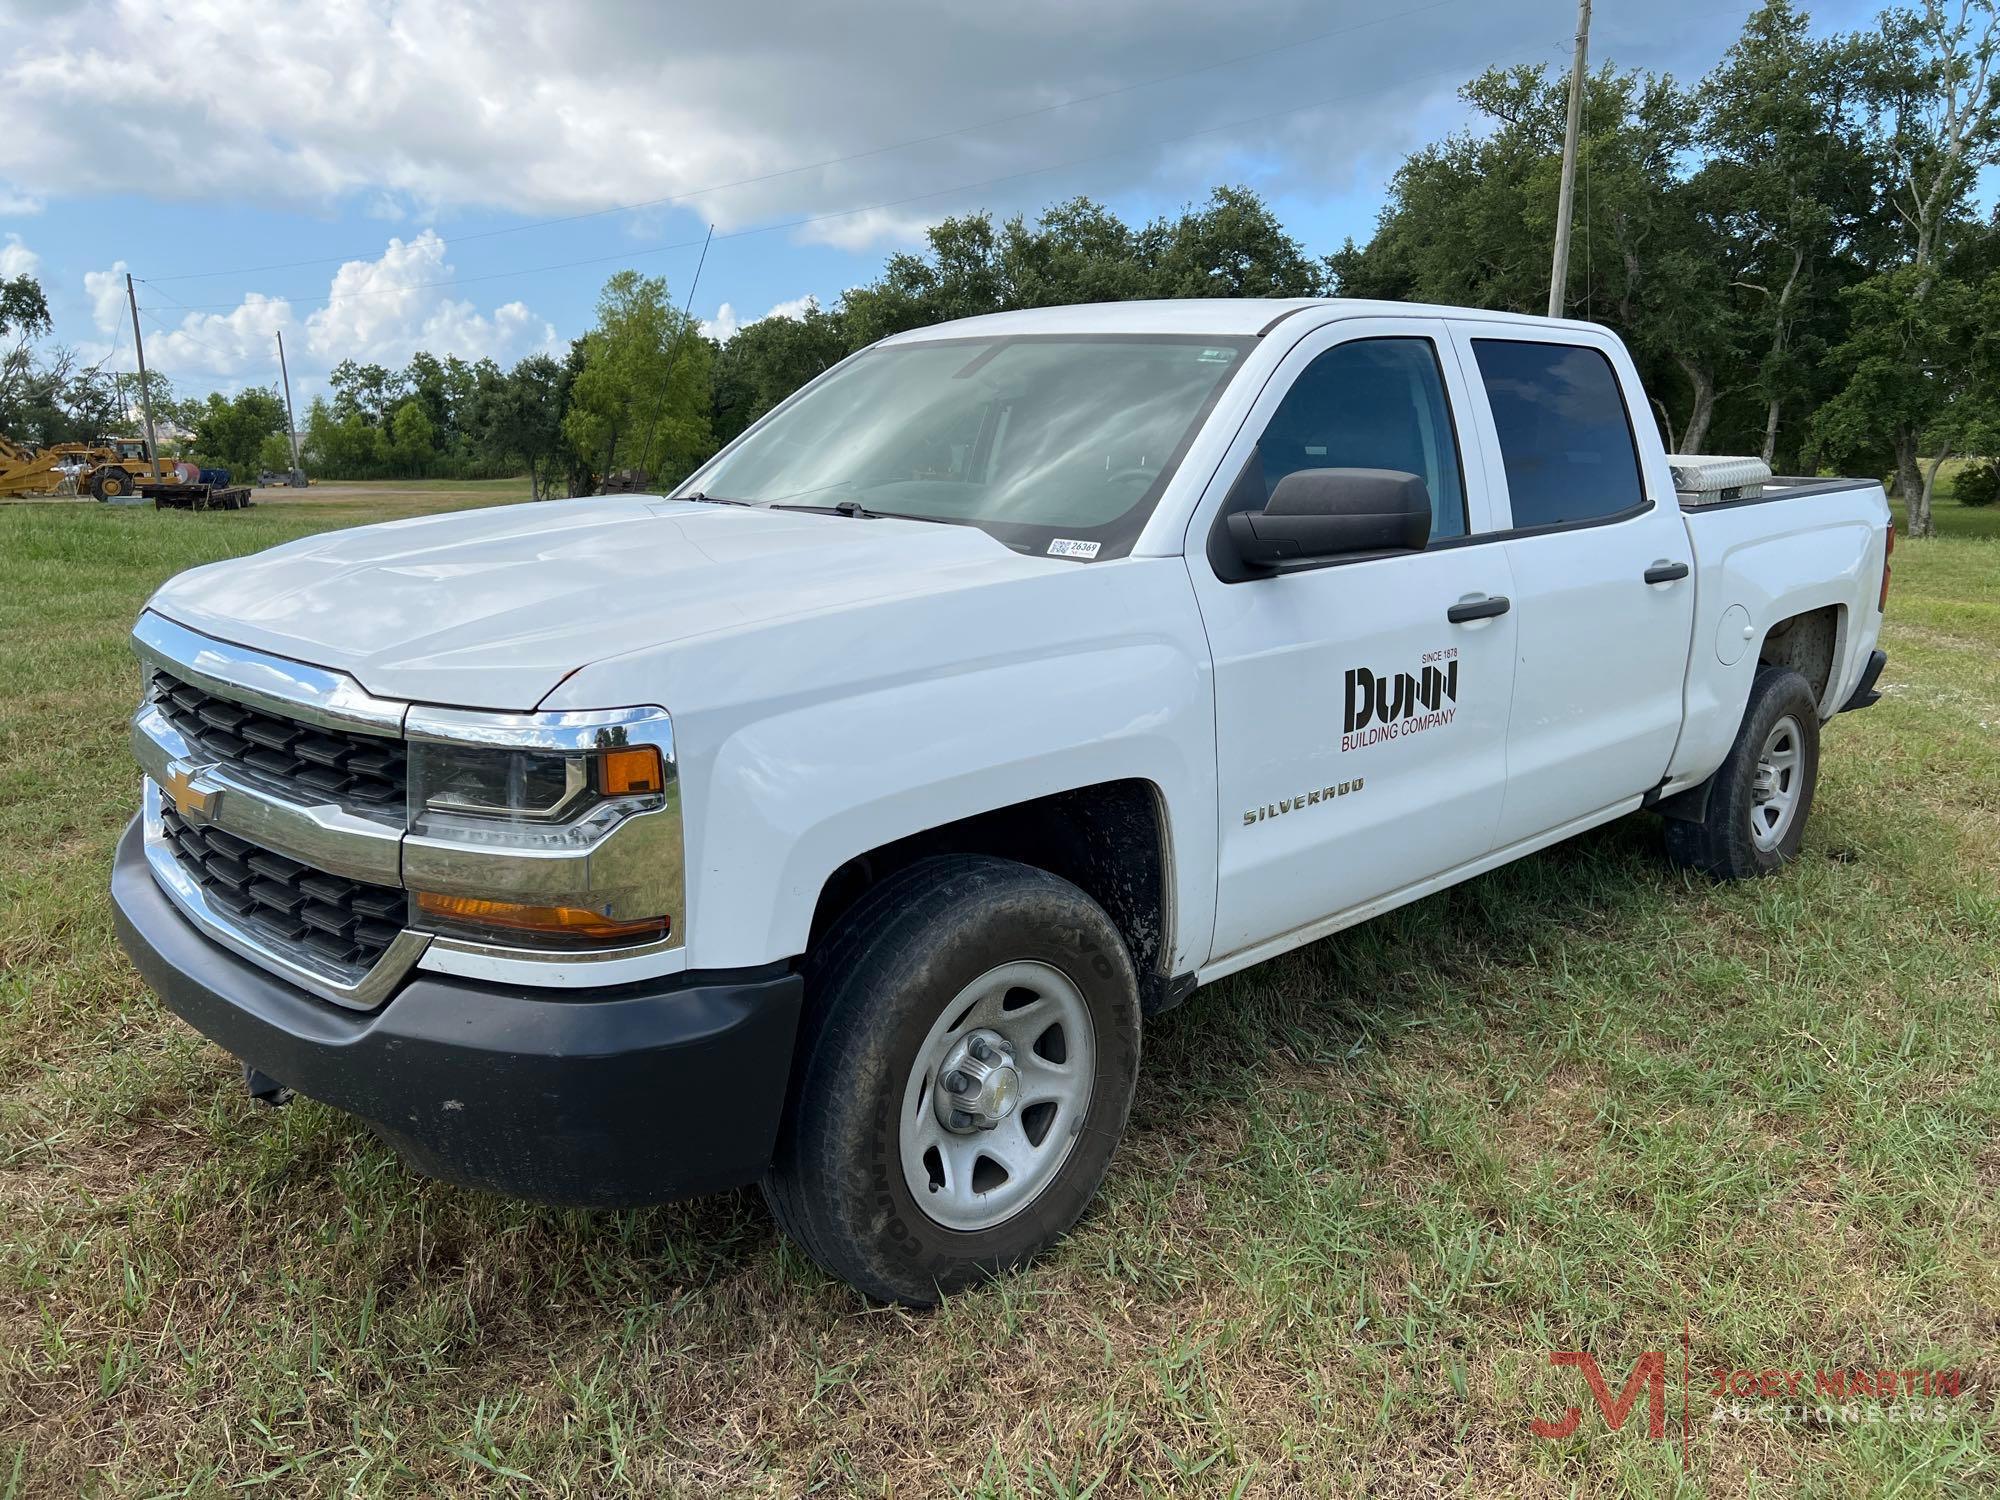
(524, 784)
(452, 781)
(544, 830)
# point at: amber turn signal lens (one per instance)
(549, 921)
(624, 773)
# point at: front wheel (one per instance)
(1762, 793)
(968, 1058)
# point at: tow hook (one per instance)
(263, 1086)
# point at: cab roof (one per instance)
(1220, 317)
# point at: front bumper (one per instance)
(599, 1098)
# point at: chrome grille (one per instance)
(365, 772)
(342, 922)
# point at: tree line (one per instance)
(1789, 245)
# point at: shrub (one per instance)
(1978, 483)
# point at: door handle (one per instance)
(1478, 609)
(1666, 572)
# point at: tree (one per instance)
(1935, 108)
(367, 390)
(1078, 251)
(522, 418)
(641, 398)
(230, 431)
(1470, 219)
(1919, 362)
(1789, 185)
(413, 437)
(1232, 247)
(24, 317)
(274, 454)
(427, 383)
(769, 360)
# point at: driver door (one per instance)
(1360, 733)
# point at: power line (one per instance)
(833, 161)
(811, 219)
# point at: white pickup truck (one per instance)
(833, 823)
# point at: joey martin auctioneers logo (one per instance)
(1715, 1396)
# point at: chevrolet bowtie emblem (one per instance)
(193, 794)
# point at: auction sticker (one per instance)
(1064, 547)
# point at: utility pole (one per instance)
(291, 422)
(1565, 199)
(145, 388)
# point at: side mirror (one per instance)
(1318, 513)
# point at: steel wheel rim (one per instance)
(1774, 786)
(1034, 1023)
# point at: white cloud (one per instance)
(725, 325)
(239, 343)
(16, 204)
(543, 109)
(106, 291)
(378, 311)
(16, 259)
(384, 310)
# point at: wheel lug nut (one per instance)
(960, 1120)
(982, 1049)
(956, 1082)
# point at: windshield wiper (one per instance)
(711, 499)
(838, 508)
(861, 512)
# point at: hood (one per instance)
(493, 608)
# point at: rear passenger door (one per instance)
(1601, 564)
(1359, 729)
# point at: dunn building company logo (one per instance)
(1402, 703)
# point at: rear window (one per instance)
(1564, 436)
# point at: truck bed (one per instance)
(1803, 545)
(1780, 487)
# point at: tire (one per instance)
(1762, 794)
(109, 484)
(879, 1176)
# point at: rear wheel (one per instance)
(967, 1062)
(111, 484)
(1761, 795)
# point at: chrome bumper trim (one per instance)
(364, 991)
(322, 835)
(628, 874)
(633, 870)
(552, 969)
(274, 684)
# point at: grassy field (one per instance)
(1583, 1103)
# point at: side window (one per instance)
(1564, 435)
(1371, 404)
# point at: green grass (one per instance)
(1368, 1188)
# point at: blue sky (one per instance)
(371, 176)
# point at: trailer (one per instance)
(172, 495)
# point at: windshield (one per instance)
(1050, 443)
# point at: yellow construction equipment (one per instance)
(26, 472)
(109, 468)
